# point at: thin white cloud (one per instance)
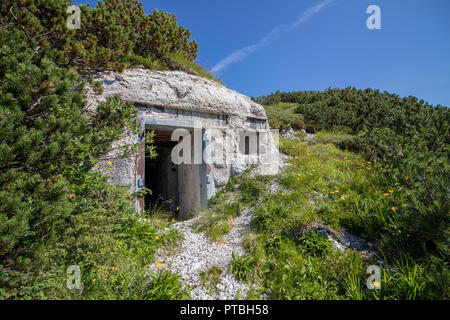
(243, 53)
(305, 16)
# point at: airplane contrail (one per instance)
(243, 53)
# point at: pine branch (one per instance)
(17, 20)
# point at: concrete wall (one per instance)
(173, 99)
(228, 160)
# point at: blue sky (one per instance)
(295, 45)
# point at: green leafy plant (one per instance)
(241, 267)
(166, 286)
(314, 243)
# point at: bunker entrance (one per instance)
(176, 188)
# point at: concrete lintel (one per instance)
(151, 123)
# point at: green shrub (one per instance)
(114, 34)
(47, 142)
(56, 209)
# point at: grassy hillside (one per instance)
(407, 137)
(332, 189)
(378, 165)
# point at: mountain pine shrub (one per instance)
(55, 209)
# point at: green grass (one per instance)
(192, 67)
(314, 244)
(174, 62)
(241, 267)
(240, 192)
(166, 286)
(326, 186)
(217, 220)
(211, 278)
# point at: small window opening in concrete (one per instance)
(249, 143)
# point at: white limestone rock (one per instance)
(174, 89)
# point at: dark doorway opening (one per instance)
(180, 189)
(161, 175)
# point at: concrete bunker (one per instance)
(167, 101)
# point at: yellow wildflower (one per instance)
(93, 280)
(178, 208)
(159, 265)
(386, 194)
(337, 191)
(394, 208)
(376, 284)
(391, 191)
(342, 198)
(157, 238)
(113, 268)
(67, 275)
(109, 163)
(282, 194)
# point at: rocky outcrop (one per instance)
(174, 89)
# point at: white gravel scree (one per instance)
(198, 254)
